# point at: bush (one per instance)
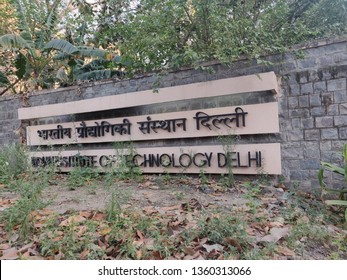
(342, 193)
(13, 162)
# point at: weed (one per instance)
(228, 143)
(124, 167)
(220, 226)
(342, 193)
(203, 179)
(79, 176)
(295, 185)
(29, 188)
(13, 162)
(179, 195)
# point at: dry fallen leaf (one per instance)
(171, 208)
(275, 235)
(149, 210)
(233, 242)
(274, 224)
(10, 254)
(192, 257)
(216, 247)
(285, 251)
(5, 246)
(105, 231)
(84, 254)
(99, 216)
(189, 251)
(72, 220)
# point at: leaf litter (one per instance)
(225, 224)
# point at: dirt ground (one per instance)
(139, 195)
(173, 217)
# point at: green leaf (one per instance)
(91, 52)
(61, 45)
(61, 75)
(21, 65)
(95, 75)
(333, 168)
(3, 79)
(12, 41)
(320, 177)
(336, 202)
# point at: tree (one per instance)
(41, 60)
(159, 34)
(135, 36)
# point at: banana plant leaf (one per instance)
(61, 45)
(3, 80)
(333, 168)
(336, 202)
(13, 41)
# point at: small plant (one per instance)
(13, 162)
(342, 193)
(79, 176)
(123, 168)
(203, 178)
(29, 187)
(228, 143)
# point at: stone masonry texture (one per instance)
(312, 106)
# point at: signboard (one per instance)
(238, 120)
(244, 159)
(210, 122)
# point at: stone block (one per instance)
(315, 100)
(343, 132)
(312, 134)
(299, 175)
(331, 156)
(307, 123)
(304, 101)
(307, 88)
(329, 133)
(293, 164)
(324, 122)
(296, 123)
(340, 120)
(296, 135)
(337, 84)
(309, 164)
(307, 63)
(294, 89)
(333, 110)
(320, 87)
(293, 102)
(311, 150)
(340, 96)
(325, 145)
(337, 145)
(292, 153)
(343, 108)
(340, 57)
(299, 113)
(317, 111)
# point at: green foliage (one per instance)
(184, 32)
(13, 162)
(29, 187)
(342, 193)
(228, 143)
(3, 80)
(80, 176)
(177, 33)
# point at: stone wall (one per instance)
(312, 105)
